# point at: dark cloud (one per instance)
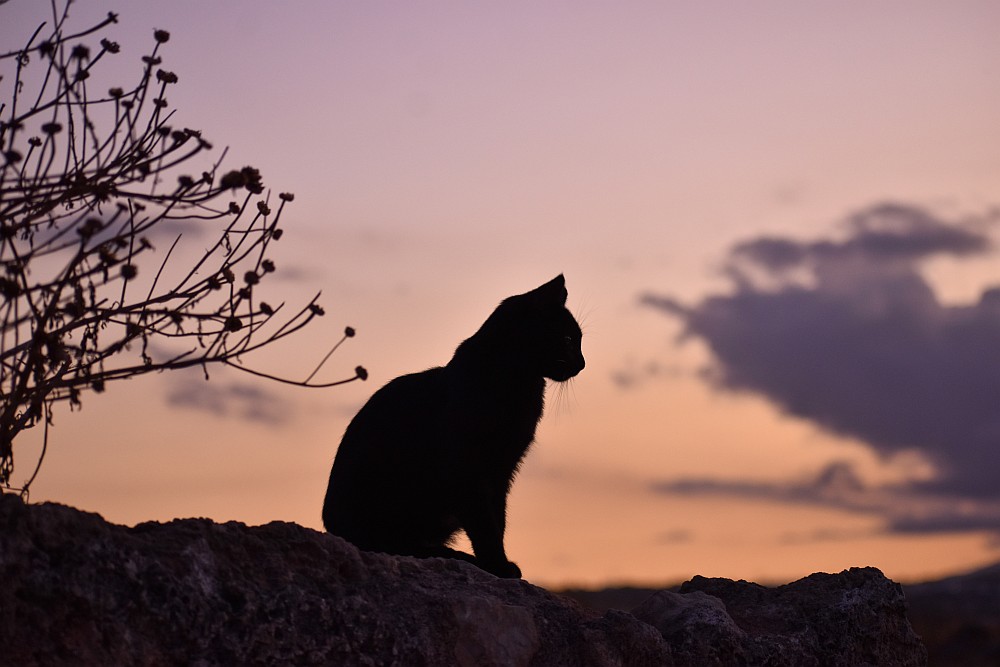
(887, 232)
(950, 521)
(230, 400)
(847, 333)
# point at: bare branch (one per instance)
(88, 183)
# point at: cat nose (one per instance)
(578, 365)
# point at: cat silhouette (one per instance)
(435, 452)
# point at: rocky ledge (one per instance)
(78, 590)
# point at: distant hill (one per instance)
(624, 598)
(959, 618)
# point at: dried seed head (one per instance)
(252, 181)
(232, 179)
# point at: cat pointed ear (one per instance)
(552, 293)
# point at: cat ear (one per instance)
(552, 293)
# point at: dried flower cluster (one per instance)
(90, 180)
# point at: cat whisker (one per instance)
(565, 397)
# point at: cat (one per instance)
(436, 452)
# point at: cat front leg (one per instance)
(484, 520)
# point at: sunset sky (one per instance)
(778, 226)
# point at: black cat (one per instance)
(435, 452)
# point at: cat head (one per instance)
(537, 332)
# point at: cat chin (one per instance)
(562, 374)
(562, 377)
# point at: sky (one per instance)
(777, 223)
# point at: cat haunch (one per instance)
(436, 452)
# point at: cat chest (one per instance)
(495, 430)
(506, 415)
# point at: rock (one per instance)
(857, 617)
(696, 625)
(78, 590)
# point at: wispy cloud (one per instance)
(230, 400)
(847, 333)
(904, 508)
(674, 537)
(631, 374)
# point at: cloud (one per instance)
(836, 485)
(230, 400)
(887, 232)
(168, 229)
(904, 508)
(848, 334)
(678, 536)
(632, 375)
(824, 535)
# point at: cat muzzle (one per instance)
(564, 370)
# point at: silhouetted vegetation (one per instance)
(95, 185)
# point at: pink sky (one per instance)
(446, 155)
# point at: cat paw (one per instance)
(507, 570)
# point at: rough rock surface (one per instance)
(823, 619)
(78, 590)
